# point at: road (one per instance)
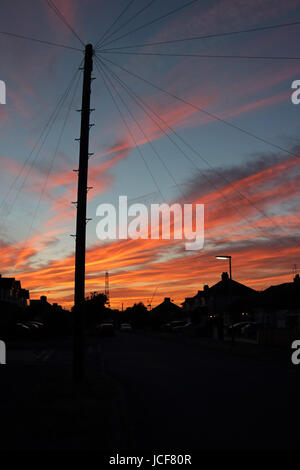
(185, 397)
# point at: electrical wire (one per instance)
(204, 111)
(49, 43)
(54, 155)
(130, 133)
(52, 5)
(205, 56)
(166, 15)
(139, 100)
(210, 36)
(128, 21)
(144, 134)
(114, 22)
(36, 148)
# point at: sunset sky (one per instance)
(251, 189)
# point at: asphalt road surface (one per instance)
(181, 397)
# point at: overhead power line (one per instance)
(49, 43)
(208, 36)
(129, 130)
(102, 38)
(205, 56)
(37, 147)
(175, 10)
(138, 100)
(63, 19)
(44, 187)
(146, 108)
(142, 131)
(128, 21)
(204, 111)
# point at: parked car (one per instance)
(243, 328)
(178, 325)
(105, 329)
(21, 330)
(125, 327)
(236, 328)
(36, 328)
(251, 329)
(175, 325)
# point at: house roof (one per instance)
(190, 300)
(236, 288)
(286, 294)
(167, 305)
(7, 283)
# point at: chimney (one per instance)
(167, 299)
(225, 277)
(297, 279)
(206, 288)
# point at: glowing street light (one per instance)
(229, 258)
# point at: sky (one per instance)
(172, 152)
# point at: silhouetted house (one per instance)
(280, 305)
(57, 307)
(227, 299)
(165, 312)
(56, 319)
(191, 304)
(40, 307)
(12, 292)
(196, 307)
(231, 299)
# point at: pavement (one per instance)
(145, 392)
(181, 397)
(42, 409)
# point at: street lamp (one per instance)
(230, 293)
(229, 258)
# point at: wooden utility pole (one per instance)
(107, 288)
(78, 345)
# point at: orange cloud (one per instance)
(138, 266)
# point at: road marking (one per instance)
(45, 355)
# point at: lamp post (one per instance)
(230, 293)
(229, 259)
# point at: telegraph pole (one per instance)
(78, 338)
(107, 288)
